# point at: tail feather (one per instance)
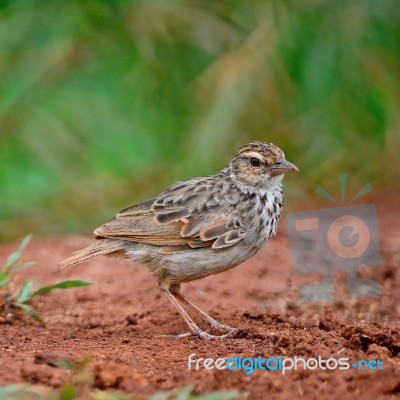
(98, 248)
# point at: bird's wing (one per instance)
(191, 214)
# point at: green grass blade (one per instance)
(22, 391)
(59, 285)
(31, 312)
(7, 390)
(4, 278)
(19, 392)
(25, 291)
(24, 243)
(184, 394)
(16, 391)
(161, 396)
(68, 392)
(25, 265)
(14, 257)
(101, 395)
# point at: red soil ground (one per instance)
(116, 322)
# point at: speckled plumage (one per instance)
(202, 226)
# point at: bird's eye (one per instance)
(255, 162)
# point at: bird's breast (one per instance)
(269, 209)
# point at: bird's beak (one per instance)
(281, 167)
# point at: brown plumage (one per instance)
(201, 226)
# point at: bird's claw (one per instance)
(178, 336)
(207, 336)
(200, 334)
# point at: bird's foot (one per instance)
(200, 334)
(178, 336)
(207, 336)
(217, 325)
(221, 327)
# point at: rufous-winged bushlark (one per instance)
(200, 227)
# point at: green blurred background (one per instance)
(104, 103)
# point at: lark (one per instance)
(200, 227)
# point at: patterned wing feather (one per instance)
(186, 215)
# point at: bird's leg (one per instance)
(194, 329)
(213, 323)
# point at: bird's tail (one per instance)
(98, 248)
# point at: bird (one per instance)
(200, 227)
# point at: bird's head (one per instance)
(260, 165)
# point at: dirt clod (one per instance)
(53, 359)
(111, 375)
